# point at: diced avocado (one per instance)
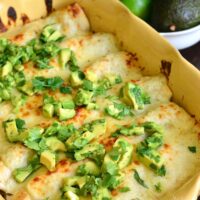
(83, 97)
(71, 195)
(52, 129)
(109, 165)
(5, 94)
(75, 181)
(70, 141)
(64, 57)
(92, 106)
(65, 114)
(18, 102)
(112, 111)
(54, 144)
(88, 168)
(152, 127)
(149, 157)
(48, 110)
(101, 194)
(109, 80)
(132, 130)
(50, 34)
(126, 156)
(114, 79)
(70, 188)
(21, 174)
(99, 127)
(6, 69)
(27, 88)
(91, 76)
(69, 104)
(132, 95)
(11, 130)
(56, 35)
(120, 155)
(76, 78)
(112, 181)
(94, 151)
(48, 159)
(77, 141)
(57, 106)
(19, 67)
(154, 141)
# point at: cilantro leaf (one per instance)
(139, 180)
(192, 149)
(41, 83)
(66, 89)
(124, 189)
(20, 123)
(158, 187)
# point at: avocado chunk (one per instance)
(152, 127)
(99, 127)
(20, 174)
(48, 159)
(88, 168)
(64, 57)
(27, 88)
(54, 144)
(149, 157)
(48, 110)
(66, 188)
(118, 110)
(49, 34)
(175, 15)
(132, 130)
(6, 69)
(11, 130)
(92, 106)
(119, 157)
(5, 94)
(94, 151)
(18, 102)
(75, 181)
(71, 195)
(83, 97)
(112, 181)
(78, 141)
(65, 114)
(110, 80)
(76, 78)
(132, 95)
(102, 193)
(68, 104)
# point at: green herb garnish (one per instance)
(139, 180)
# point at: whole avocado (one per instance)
(175, 15)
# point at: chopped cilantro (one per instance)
(192, 149)
(161, 171)
(73, 64)
(118, 110)
(139, 180)
(158, 187)
(124, 189)
(20, 123)
(66, 89)
(41, 83)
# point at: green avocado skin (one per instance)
(175, 15)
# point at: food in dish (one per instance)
(80, 120)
